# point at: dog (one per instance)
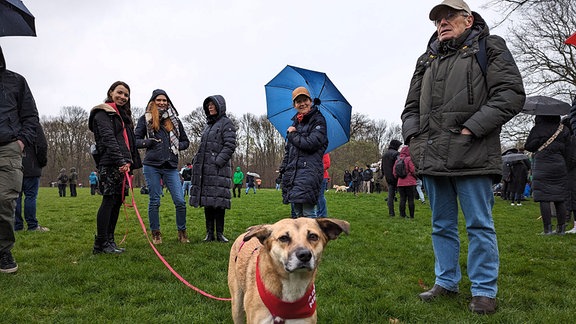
(272, 267)
(340, 188)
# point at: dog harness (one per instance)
(281, 310)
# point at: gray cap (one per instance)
(454, 4)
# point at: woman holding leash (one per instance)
(112, 125)
(160, 131)
(211, 169)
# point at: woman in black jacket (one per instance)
(549, 171)
(112, 125)
(302, 168)
(211, 168)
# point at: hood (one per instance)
(103, 106)
(237, 169)
(405, 152)
(158, 92)
(478, 30)
(395, 144)
(220, 104)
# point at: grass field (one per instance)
(372, 275)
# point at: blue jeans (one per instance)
(321, 210)
(303, 210)
(476, 201)
(186, 187)
(171, 179)
(248, 188)
(30, 190)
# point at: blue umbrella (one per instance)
(16, 19)
(331, 103)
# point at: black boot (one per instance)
(547, 230)
(113, 243)
(220, 228)
(561, 229)
(209, 228)
(101, 245)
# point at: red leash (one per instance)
(176, 274)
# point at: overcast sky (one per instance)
(193, 49)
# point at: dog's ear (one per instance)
(262, 232)
(333, 227)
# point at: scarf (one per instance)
(281, 310)
(174, 133)
(299, 117)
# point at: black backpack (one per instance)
(400, 168)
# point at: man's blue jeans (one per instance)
(171, 179)
(30, 191)
(186, 187)
(476, 201)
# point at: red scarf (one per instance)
(281, 310)
(124, 133)
(299, 117)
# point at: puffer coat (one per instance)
(107, 126)
(211, 167)
(549, 171)
(302, 168)
(449, 92)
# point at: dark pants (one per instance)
(406, 195)
(546, 212)
(62, 189)
(107, 216)
(73, 190)
(239, 186)
(391, 197)
(93, 187)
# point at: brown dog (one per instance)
(272, 268)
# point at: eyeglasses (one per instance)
(450, 16)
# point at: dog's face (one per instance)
(297, 244)
(335, 186)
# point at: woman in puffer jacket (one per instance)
(211, 168)
(407, 185)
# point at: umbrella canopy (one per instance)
(331, 103)
(514, 157)
(16, 19)
(542, 105)
(254, 174)
(571, 40)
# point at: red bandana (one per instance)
(281, 310)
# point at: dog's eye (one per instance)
(284, 239)
(313, 237)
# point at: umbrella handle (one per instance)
(317, 101)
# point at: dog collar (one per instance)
(281, 310)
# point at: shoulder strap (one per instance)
(552, 138)
(481, 55)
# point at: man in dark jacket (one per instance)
(302, 168)
(455, 109)
(19, 117)
(387, 166)
(35, 158)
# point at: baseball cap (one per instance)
(300, 91)
(454, 4)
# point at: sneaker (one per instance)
(40, 229)
(512, 204)
(572, 231)
(7, 263)
(519, 204)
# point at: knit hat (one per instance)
(395, 144)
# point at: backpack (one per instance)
(400, 168)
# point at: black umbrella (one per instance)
(542, 105)
(16, 19)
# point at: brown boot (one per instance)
(182, 237)
(156, 237)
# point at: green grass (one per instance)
(369, 276)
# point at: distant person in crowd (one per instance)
(388, 159)
(518, 177)
(19, 120)
(73, 182)
(186, 174)
(62, 182)
(464, 88)
(321, 209)
(348, 179)
(238, 180)
(548, 141)
(419, 190)
(34, 159)
(570, 122)
(356, 179)
(506, 177)
(278, 181)
(212, 169)
(93, 179)
(306, 141)
(407, 185)
(367, 176)
(250, 182)
(117, 156)
(162, 134)
(258, 182)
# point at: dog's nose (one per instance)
(304, 255)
